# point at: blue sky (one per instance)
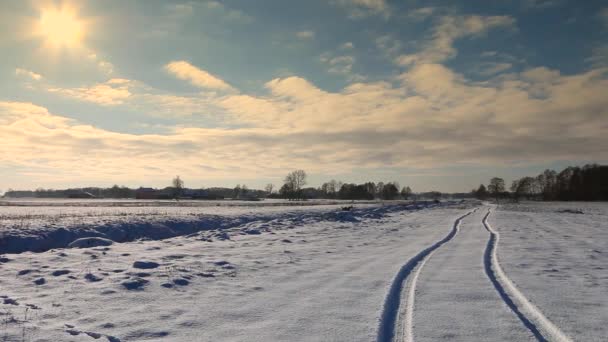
(438, 95)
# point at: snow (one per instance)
(90, 242)
(309, 273)
(56, 225)
(559, 261)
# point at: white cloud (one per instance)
(347, 46)
(113, 92)
(434, 117)
(364, 8)
(341, 65)
(491, 68)
(103, 66)
(198, 77)
(449, 29)
(599, 56)
(421, 13)
(28, 73)
(305, 34)
(230, 14)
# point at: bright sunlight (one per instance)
(61, 27)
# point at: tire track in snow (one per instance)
(530, 315)
(393, 303)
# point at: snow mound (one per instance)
(89, 242)
(53, 230)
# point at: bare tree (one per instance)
(496, 187)
(294, 181)
(236, 192)
(406, 192)
(269, 187)
(178, 186)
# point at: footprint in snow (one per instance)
(92, 278)
(24, 272)
(9, 301)
(181, 282)
(59, 273)
(145, 264)
(135, 283)
(75, 332)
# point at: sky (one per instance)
(437, 95)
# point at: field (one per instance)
(465, 271)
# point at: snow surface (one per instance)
(312, 274)
(559, 260)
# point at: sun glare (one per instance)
(61, 27)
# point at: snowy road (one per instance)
(456, 300)
(456, 289)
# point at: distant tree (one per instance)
(524, 187)
(295, 181)
(549, 178)
(286, 191)
(496, 187)
(406, 192)
(236, 192)
(379, 189)
(435, 195)
(269, 187)
(178, 186)
(354, 192)
(370, 187)
(390, 191)
(481, 192)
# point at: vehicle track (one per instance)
(390, 328)
(542, 328)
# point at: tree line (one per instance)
(293, 188)
(587, 183)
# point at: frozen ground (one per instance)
(559, 260)
(42, 225)
(397, 273)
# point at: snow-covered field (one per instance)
(428, 272)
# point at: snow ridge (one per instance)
(530, 315)
(45, 234)
(392, 303)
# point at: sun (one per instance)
(61, 27)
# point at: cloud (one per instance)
(449, 29)
(104, 66)
(113, 92)
(599, 56)
(421, 13)
(491, 68)
(305, 34)
(338, 64)
(347, 46)
(230, 14)
(363, 8)
(198, 77)
(432, 117)
(27, 73)
(541, 4)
